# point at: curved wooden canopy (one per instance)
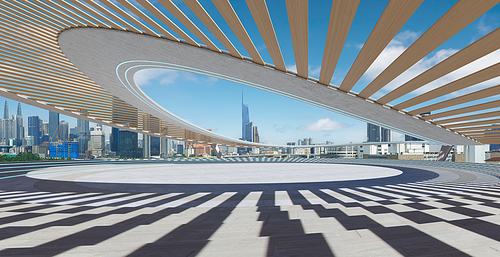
(34, 70)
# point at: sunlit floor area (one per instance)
(249, 207)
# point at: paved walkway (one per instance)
(410, 209)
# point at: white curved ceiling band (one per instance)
(34, 70)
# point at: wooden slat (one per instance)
(227, 11)
(469, 117)
(72, 20)
(472, 123)
(97, 14)
(473, 108)
(128, 17)
(474, 51)
(298, 20)
(481, 128)
(153, 10)
(198, 10)
(486, 133)
(458, 17)
(110, 14)
(81, 12)
(395, 15)
(491, 91)
(260, 14)
(146, 19)
(76, 14)
(477, 77)
(341, 17)
(54, 16)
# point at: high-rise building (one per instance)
(83, 134)
(6, 110)
(45, 128)
(97, 141)
(53, 126)
(129, 144)
(385, 135)
(256, 138)
(114, 140)
(63, 131)
(245, 119)
(34, 129)
(248, 132)
(372, 132)
(155, 146)
(18, 125)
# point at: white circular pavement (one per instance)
(248, 173)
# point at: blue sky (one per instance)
(216, 104)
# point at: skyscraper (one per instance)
(97, 141)
(372, 132)
(248, 132)
(256, 138)
(6, 110)
(245, 118)
(34, 129)
(385, 135)
(83, 134)
(53, 126)
(114, 140)
(63, 131)
(18, 125)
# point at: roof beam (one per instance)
(473, 108)
(484, 128)
(469, 124)
(147, 19)
(298, 20)
(470, 117)
(457, 18)
(128, 17)
(198, 10)
(474, 51)
(477, 77)
(227, 11)
(260, 14)
(341, 17)
(491, 91)
(395, 15)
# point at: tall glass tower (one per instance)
(53, 126)
(245, 118)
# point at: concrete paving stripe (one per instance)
(339, 196)
(311, 197)
(182, 200)
(150, 233)
(150, 200)
(282, 198)
(116, 200)
(216, 201)
(46, 235)
(364, 195)
(60, 198)
(250, 200)
(401, 191)
(383, 192)
(86, 199)
(37, 196)
(12, 192)
(419, 189)
(21, 194)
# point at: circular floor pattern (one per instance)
(255, 173)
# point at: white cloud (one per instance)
(210, 81)
(322, 125)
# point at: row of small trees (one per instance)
(21, 157)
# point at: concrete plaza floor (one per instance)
(249, 207)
